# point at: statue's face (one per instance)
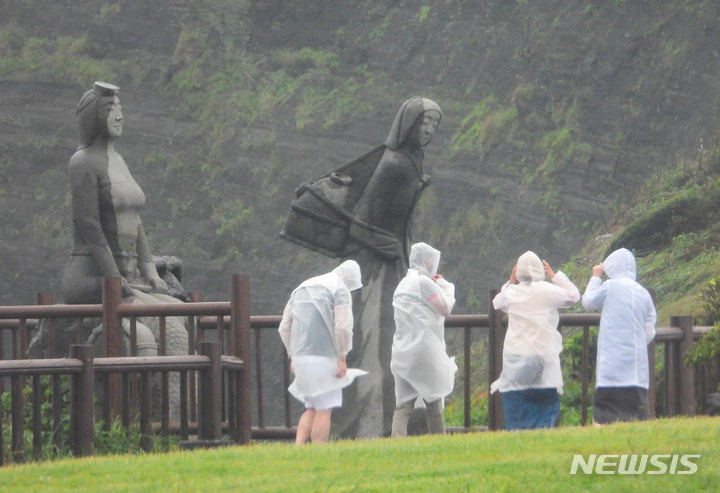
(115, 118)
(424, 129)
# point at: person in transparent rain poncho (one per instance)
(531, 380)
(421, 367)
(627, 325)
(316, 329)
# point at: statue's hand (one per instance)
(383, 243)
(394, 252)
(126, 288)
(158, 285)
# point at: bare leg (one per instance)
(401, 417)
(304, 426)
(435, 418)
(321, 426)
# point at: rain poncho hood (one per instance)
(418, 352)
(349, 272)
(531, 352)
(620, 264)
(406, 117)
(530, 268)
(425, 259)
(627, 323)
(318, 321)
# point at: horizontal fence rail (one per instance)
(82, 367)
(498, 322)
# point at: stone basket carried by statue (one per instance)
(321, 216)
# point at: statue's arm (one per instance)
(146, 264)
(373, 207)
(381, 190)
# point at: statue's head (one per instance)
(414, 123)
(99, 113)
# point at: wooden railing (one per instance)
(82, 368)
(124, 384)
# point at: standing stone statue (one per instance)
(363, 211)
(108, 235)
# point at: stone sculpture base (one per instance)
(369, 403)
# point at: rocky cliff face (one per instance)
(554, 114)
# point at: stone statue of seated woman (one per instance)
(108, 235)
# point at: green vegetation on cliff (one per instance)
(672, 228)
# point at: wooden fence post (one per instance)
(467, 370)
(18, 419)
(81, 406)
(686, 379)
(240, 320)
(672, 403)
(496, 339)
(146, 439)
(193, 333)
(210, 393)
(47, 298)
(112, 331)
(652, 391)
(584, 375)
(651, 348)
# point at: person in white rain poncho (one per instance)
(316, 330)
(531, 381)
(420, 365)
(627, 325)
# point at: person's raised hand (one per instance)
(597, 270)
(548, 270)
(513, 276)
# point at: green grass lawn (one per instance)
(489, 462)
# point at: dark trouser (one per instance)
(435, 418)
(530, 408)
(612, 404)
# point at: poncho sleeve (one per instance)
(439, 295)
(650, 321)
(343, 322)
(569, 295)
(595, 294)
(500, 300)
(285, 328)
